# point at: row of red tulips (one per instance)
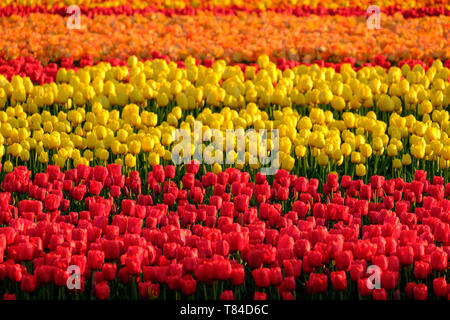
(183, 234)
(232, 10)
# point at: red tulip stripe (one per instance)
(180, 232)
(302, 11)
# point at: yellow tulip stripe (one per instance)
(354, 122)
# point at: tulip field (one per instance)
(355, 120)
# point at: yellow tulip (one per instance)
(130, 160)
(360, 170)
(8, 166)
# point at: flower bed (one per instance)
(235, 38)
(179, 232)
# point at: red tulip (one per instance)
(288, 284)
(333, 181)
(366, 192)
(95, 259)
(68, 185)
(111, 249)
(124, 276)
(158, 173)
(344, 260)
(292, 267)
(276, 277)
(389, 280)
(169, 171)
(102, 290)
(188, 181)
(52, 202)
(143, 288)
(421, 269)
(260, 296)
(44, 274)
(315, 258)
(376, 182)
(78, 192)
(222, 247)
(379, 294)
(406, 255)
(237, 275)
(61, 277)
(317, 283)
(393, 263)
(388, 202)
(115, 191)
(420, 175)
(95, 187)
(80, 261)
(132, 264)
(192, 167)
(128, 207)
(98, 277)
(283, 194)
(363, 288)
(28, 283)
(196, 195)
(381, 261)
(41, 179)
(188, 285)
(120, 221)
(287, 295)
(260, 178)
(100, 173)
(222, 178)
(241, 203)
(134, 225)
(339, 280)
(302, 247)
(439, 260)
(440, 287)
(409, 290)
(204, 272)
(261, 277)
(25, 251)
(227, 295)
(420, 292)
(223, 270)
(9, 296)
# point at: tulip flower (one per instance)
(227, 295)
(317, 283)
(102, 290)
(260, 296)
(439, 260)
(261, 277)
(420, 292)
(440, 287)
(339, 280)
(188, 285)
(379, 294)
(28, 283)
(95, 259)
